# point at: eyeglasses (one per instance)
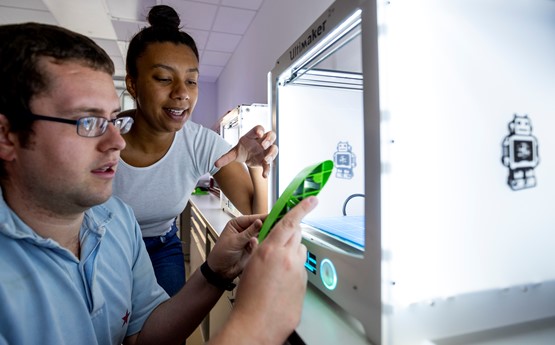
(90, 126)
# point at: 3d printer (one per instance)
(420, 234)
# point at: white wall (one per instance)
(244, 81)
(205, 112)
(278, 24)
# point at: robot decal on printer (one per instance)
(345, 160)
(520, 153)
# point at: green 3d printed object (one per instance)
(307, 182)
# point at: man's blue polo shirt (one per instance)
(48, 296)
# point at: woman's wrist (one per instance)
(215, 279)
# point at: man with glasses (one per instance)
(73, 266)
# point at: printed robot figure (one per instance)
(520, 153)
(344, 160)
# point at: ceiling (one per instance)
(216, 25)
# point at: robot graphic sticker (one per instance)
(520, 153)
(345, 160)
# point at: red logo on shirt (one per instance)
(125, 318)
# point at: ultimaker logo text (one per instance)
(311, 38)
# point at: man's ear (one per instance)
(130, 85)
(7, 140)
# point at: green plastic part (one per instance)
(307, 182)
(199, 191)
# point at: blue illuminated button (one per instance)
(328, 274)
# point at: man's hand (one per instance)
(255, 148)
(273, 284)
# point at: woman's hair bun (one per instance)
(163, 15)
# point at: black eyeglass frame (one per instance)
(127, 120)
